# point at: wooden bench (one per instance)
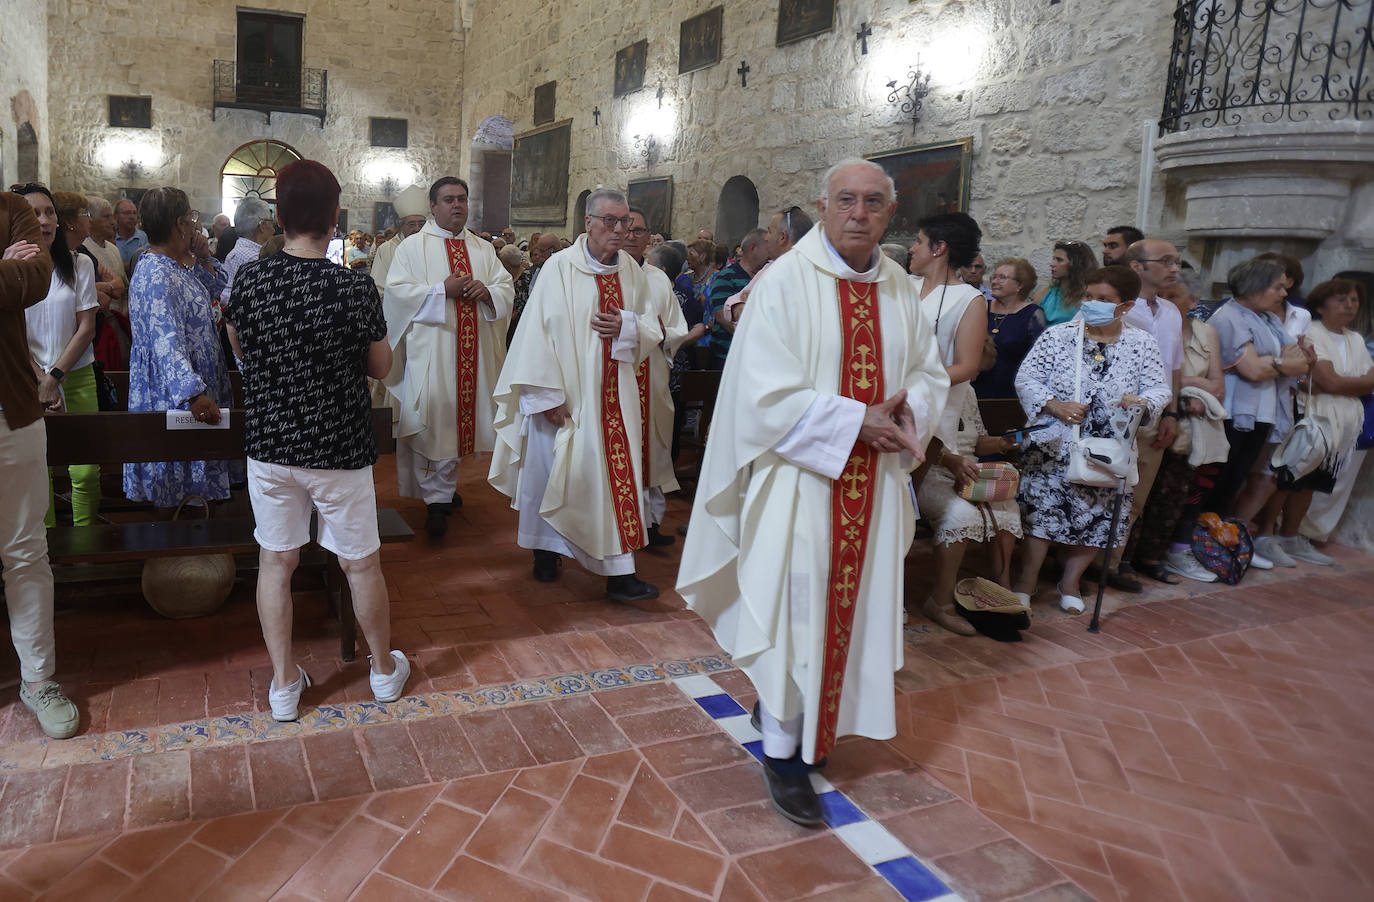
(117, 438)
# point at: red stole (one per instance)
(460, 265)
(615, 440)
(851, 505)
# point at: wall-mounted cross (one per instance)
(660, 97)
(863, 35)
(596, 116)
(743, 72)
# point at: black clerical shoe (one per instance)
(456, 503)
(629, 588)
(546, 565)
(436, 523)
(658, 539)
(789, 785)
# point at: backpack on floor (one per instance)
(1223, 546)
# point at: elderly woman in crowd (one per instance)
(1114, 368)
(1189, 468)
(112, 334)
(958, 522)
(957, 312)
(697, 280)
(513, 259)
(60, 328)
(1258, 358)
(1069, 267)
(1341, 374)
(1014, 323)
(177, 362)
(311, 334)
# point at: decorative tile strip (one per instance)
(234, 729)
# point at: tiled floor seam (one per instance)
(914, 879)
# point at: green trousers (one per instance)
(79, 391)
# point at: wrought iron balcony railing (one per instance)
(271, 89)
(1236, 61)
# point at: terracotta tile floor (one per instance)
(1208, 744)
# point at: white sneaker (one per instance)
(1300, 548)
(1184, 564)
(1071, 603)
(1260, 562)
(388, 687)
(1269, 547)
(286, 700)
(1023, 597)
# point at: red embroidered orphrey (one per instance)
(460, 265)
(851, 500)
(619, 458)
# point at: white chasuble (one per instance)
(655, 392)
(447, 353)
(592, 496)
(794, 555)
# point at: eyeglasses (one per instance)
(639, 233)
(874, 203)
(1167, 261)
(611, 222)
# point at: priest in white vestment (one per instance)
(447, 302)
(569, 451)
(803, 516)
(656, 393)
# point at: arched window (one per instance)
(251, 171)
(737, 211)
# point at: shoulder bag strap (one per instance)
(1078, 374)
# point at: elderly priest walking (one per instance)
(803, 517)
(447, 301)
(569, 436)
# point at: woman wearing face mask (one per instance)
(60, 328)
(1069, 268)
(1119, 367)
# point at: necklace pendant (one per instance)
(995, 331)
(1099, 357)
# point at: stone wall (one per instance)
(1053, 96)
(23, 83)
(373, 50)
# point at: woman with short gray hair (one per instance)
(1258, 357)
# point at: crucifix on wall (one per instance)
(863, 34)
(743, 72)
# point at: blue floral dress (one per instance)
(175, 355)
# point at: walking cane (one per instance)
(1095, 625)
(1135, 413)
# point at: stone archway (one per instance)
(489, 174)
(580, 213)
(737, 211)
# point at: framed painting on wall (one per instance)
(131, 112)
(384, 217)
(544, 100)
(629, 67)
(655, 197)
(699, 40)
(930, 178)
(539, 177)
(801, 19)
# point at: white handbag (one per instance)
(1098, 461)
(1305, 447)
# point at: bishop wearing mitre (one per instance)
(802, 517)
(569, 451)
(448, 300)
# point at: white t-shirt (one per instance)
(1296, 320)
(1165, 323)
(51, 322)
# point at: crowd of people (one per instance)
(843, 365)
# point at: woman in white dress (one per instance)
(958, 313)
(1120, 367)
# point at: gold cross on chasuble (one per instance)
(460, 265)
(851, 499)
(615, 440)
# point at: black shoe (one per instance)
(436, 523)
(546, 565)
(629, 588)
(789, 784)
(658, 539)
(456, 503)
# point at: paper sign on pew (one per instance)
(184, 419)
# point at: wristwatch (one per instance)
(1274, 362)
(57, 374)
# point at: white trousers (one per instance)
(780, 737)
(1326, 511)
(655, 505)
(534, 531)
(432, 481)
(24, 547)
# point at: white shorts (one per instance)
(283, 497)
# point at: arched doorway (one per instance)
(737, 211)
(489, 175)
(580, 213)
(251, 171)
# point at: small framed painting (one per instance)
(629, 67)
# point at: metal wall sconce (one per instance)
(388, 186)
(646, 146)
(131, 170)
(910, 95)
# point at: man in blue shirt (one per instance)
(128, 236)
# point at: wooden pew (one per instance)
(116, 438)
(120, 379)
